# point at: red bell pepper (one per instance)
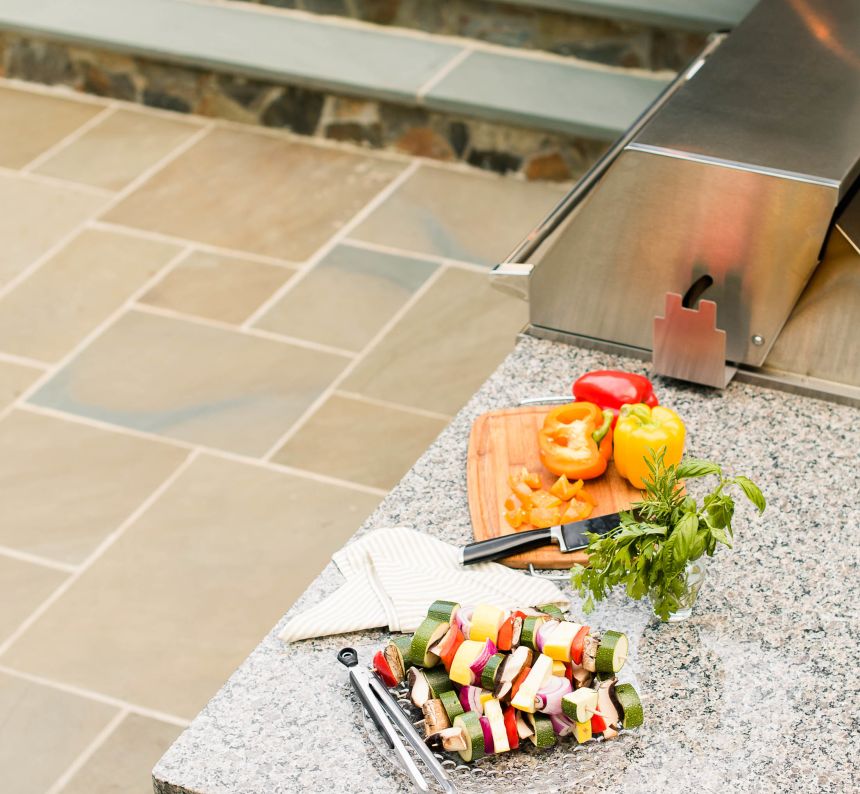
(506, 632)
(511, 727)
(448, 653)
(610, 389)
(577, 646)
(517, 682)
(598, 724)
(381, 667)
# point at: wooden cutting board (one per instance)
(502, 442)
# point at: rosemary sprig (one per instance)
(649, 550)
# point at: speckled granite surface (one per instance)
(758, 691)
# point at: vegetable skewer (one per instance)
(547, 678)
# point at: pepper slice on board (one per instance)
(640, 430)
(576, 441)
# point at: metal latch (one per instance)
(689, 346)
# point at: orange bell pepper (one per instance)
(576, 441)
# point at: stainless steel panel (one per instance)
(655, 224)
(782, 93)
(822, 337)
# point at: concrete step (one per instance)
(651, 34)
(379, 85)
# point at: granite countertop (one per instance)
(756, 692)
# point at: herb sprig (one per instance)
(649, 550)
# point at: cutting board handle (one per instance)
(503, 546)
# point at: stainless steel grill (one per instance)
(721, 234)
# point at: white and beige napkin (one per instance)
(394, 574)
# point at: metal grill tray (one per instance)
(566, 767)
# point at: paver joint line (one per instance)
(380, 335)
(212, 451)
(332, 241)
(88, 752)
(98, 697)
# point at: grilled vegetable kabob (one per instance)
(486, 678)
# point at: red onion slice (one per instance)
(544, 631)
(480, 663)
(561, 724)
(549, 697)
(464, 620)
(470, 699)
(489, 746)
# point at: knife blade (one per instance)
(568, 537)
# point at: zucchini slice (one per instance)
(429, 632)
(438, 680)
(403, 643)
(443, 610)
(531, 626)
(632, 715)
(491, 670)
(474, 735)
(580, 704)
(553, 610)
(611, 653)
(451, 703)
(544, 735)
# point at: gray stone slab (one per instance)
(321, 53)
(548, 93)
(726, 694)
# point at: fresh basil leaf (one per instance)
(752, 492)
(697, 547)
(693, 467)
(719, 511)
(684, 534)
(719, 535)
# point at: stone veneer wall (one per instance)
(413, 131)
(606, 41)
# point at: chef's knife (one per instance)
(569, 537)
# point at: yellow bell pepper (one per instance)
(641, 429)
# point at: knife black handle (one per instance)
(504, 546)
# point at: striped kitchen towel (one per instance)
(394, 574)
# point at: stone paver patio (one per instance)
(219, 347)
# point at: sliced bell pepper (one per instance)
(517, 682)
(577, 646)
(381, 666)
(542, 517)
(449, 653)
(641, 430)
(576, 441)
(506, 631)
(545, 499)
(576, 511)
(530, 478)
(598, 724)
(564, 489)
(510, 714)
(611, 388)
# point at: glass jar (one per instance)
(694, 576)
